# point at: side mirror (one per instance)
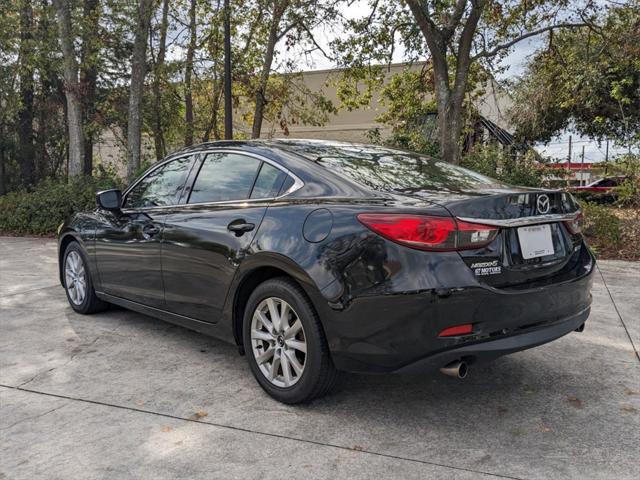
(109, 200)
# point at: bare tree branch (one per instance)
(453, 22)
(315, 43)
(505, 46)
(463, 59)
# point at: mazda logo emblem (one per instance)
(543, 204)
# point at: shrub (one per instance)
(40, 212)
(498, 163)
(602, 228)
(628, 194)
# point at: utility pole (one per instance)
(569, 163)
(582, 167)
(228, 121)
(606, 152)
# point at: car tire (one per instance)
(318, 374)
(78, 283)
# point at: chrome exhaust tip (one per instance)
(456, 369)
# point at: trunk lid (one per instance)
(528, 219)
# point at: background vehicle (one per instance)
(604, 190)
(602, 185)
(315, 257)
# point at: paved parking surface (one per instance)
(121, 395)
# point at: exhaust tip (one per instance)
(580, 328)
(456, 369)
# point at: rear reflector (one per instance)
(465, 329)
(429, 233)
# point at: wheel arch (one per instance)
(259, 269)
(63, 242)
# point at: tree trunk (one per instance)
(138, 71)
(449, 92)
(450, 123)
(158, 134)
(45, 97)
(3, 172)
(89, 77)
(228, 107)
(215, 106)
(72, 90)
(26, 150)
(188, 72)
(261, 101)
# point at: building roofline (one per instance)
(387, 65)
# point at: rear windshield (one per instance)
(387, 169)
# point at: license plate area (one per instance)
(535, 241)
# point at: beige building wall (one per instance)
(351, 126)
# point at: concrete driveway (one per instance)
(121, 395)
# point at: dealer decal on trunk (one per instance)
(486, 268)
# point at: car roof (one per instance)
(292, 145)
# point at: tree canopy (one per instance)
(456, 36)
(587, 79)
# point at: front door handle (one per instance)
(150, 230)
(240, 226)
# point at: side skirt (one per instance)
(206, 328)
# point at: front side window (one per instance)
(224, 177)
(162, 186)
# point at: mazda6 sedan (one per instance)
(317, 257)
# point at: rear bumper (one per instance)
(399, 332)
(492, 349)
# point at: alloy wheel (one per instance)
(278, 342)
(75, 277)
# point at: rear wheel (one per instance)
(285, 344)
(78, 283)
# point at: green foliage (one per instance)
(629, 193)
(627, 165)
(355, 86)
(41, 211)
(588, 78)
(497, 162)
(601, 227)
(410, 112)
(462, 40)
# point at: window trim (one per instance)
(199, 157)
(150, 171)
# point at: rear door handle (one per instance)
(240, 226)
(149, 230)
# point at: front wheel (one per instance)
(78, 283)
(285, 343)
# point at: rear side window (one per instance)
(160, 187)
(224, 177)
(268, 182)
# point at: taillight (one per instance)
(575, 224)
(429, 233)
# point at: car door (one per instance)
(128, 243)
(206, 239)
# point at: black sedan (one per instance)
(317, 257)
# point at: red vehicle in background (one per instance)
(604, 185)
